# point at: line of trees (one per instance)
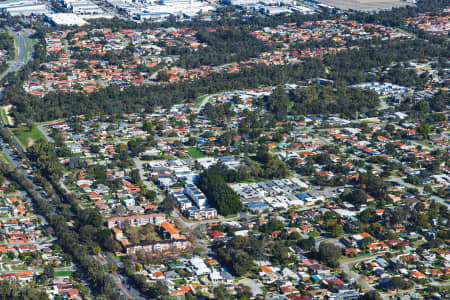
(6, 43)
(78, 240)
(89, 232)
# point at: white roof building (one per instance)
(68, 19)
(199, 267)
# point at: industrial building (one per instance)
(161, 10)
(68, 19)
(23, 8)
(82, 7)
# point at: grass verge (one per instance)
(5, 160)
(4, 117)
(63, 273)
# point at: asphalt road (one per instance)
(22, 57)
(353, 275)
(420, 188)
(45, 133)
(122, 281)
(358, 278)
(205, 100)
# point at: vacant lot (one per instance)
(365, 4)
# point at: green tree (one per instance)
(330, 253)
(148, 126)
(366, 241)
(244, 292)
(112, 267)
(371, 295)
(219, 194)
(135, 176)
(398, 283)
(357, 197)
(337, 230)
(221, 293)
(48, 273)
(97, 250)
(273, 225)
(167, 205)
(11, 290)
(424, 129)
(307, 244)
(158, 291)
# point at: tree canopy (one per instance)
(219, 194)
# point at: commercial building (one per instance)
(68, 19)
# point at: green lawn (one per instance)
(63, 273)
(253, 160)
(113, 256)
(26, 136)
(314, 234)
(178, 281)
(231, 216)
(19, 267)
(27, 47)
(200, 99)
(195, 153)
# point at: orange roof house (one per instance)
(181, 290)
(366, 235)
(93, 196)
(267, 269)
(417, 274)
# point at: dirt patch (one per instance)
(30, 142)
